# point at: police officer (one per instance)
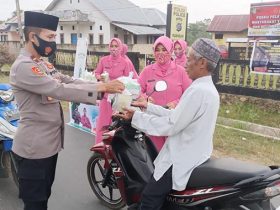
(38, 87)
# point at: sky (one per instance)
(198, 9)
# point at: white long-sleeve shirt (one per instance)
(189, 127)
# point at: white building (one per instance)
(101, 20)
(98, 21)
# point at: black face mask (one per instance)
(45, 49)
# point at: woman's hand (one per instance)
(140, 103)
(171, 105)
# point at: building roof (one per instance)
(140, 30)
(4, 27)
(124, 11)
(229, 23)
(69, 15)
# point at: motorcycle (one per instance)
(122, 164)
(9, 117)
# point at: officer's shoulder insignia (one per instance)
(37, 71)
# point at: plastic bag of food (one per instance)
(132, 91)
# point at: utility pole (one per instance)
(19, 24)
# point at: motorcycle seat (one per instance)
(223, 171)
(5, 87)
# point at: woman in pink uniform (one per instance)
(116, 66)
(164, 69)
(130, 64)
(180, 47)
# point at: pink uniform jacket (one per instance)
(182, 59)
(116, 67)
(174, 75)
(177, 82)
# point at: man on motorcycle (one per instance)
(38, 87)
(189, 127)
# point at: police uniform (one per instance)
(38, 87)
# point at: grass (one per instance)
(245, 146)
(249, 112)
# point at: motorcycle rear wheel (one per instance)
(95, 168)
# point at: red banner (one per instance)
(264, 19)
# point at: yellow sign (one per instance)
(178, 22)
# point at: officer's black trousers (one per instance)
(155, 192)
(36, 177)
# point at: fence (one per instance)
(233, 76)
(65, 59)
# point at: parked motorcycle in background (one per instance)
(9, 117)
(122, 164)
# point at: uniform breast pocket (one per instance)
(48, 100)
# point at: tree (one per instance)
(198, 30)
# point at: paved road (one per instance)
(71, 190)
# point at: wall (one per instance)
(229, 35)
(96, 19)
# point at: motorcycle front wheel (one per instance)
(103, 183)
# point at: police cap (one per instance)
(40, 20)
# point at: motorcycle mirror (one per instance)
(160, 86)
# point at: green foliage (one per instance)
(246, 146)
(249, 112)
(198, 30)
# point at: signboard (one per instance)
(82, 116)
(265, 58)
(240, 53)
(81, 56)
(264, 19)
(177, 22)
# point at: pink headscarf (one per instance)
(115, 54)
(181, 59)
(124, 49)
(168, 45)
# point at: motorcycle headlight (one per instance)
(6, 96)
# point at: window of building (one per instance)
(149, 40)
(3, 38)
(101, 39)
(219, 36)
(90, 38)
(116, 35)
(78, 1)
(70, 1)
(125, 38)
(74, 39)
(90, 28)
(100, 27)
(61, 38)
(73, 28)
(135, 39)
(61, 28)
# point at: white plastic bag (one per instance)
(132, 91)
